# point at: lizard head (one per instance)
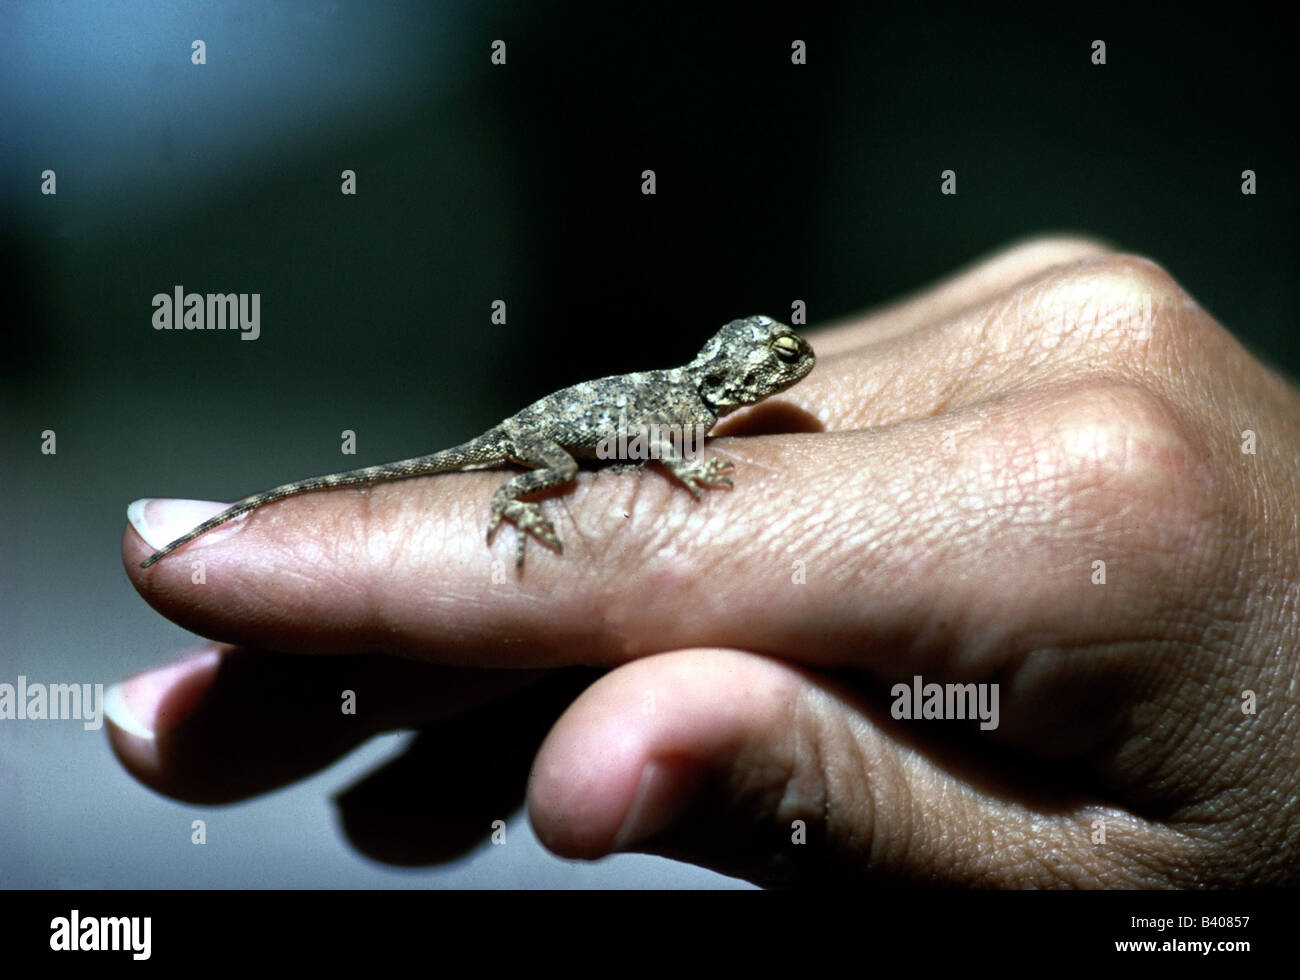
(748, 360)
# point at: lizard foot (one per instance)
(529, 520)
(709, 472)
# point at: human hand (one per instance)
(962, 462)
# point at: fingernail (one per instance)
(134, 705)
(161, 521)
(665, 792)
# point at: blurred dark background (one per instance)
(519, 183)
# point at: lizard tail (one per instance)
(419, 466)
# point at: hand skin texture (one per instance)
(932, 500)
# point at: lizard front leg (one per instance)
(554, 468)
(694, 473)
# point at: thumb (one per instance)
(762, 770)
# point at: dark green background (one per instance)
(522, 183)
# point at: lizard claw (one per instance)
(528, 519)
(709, 472)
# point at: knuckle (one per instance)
(1123, 308)
(1054, 248)
(1121, 462)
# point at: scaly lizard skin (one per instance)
(743, 363)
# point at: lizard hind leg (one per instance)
(553, 467)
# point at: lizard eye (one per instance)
(787, 348)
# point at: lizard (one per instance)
(743, 363)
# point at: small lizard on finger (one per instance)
(745, 362)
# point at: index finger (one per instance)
(833, 548)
